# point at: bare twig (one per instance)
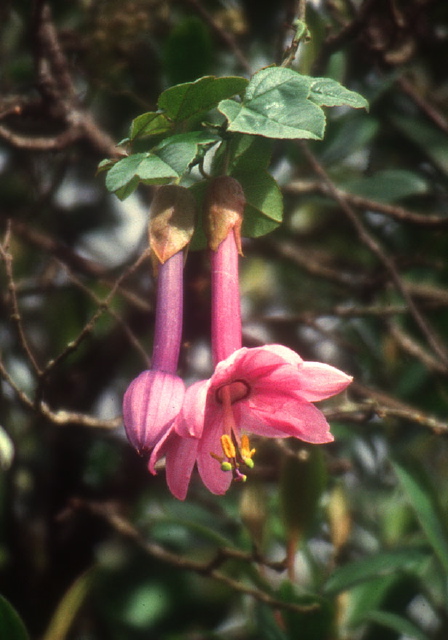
(16, 318)
(206, 569)
(225, 37)
(391, 210)
(428, 109)
(88, 328)
(335, 42)
(369, 241)
(103, 303)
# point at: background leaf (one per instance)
(423, 499)
(11, 625)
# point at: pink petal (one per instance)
(246, 364)
(180, 459)
(150, 404)
(288, 355)
(319, 381)
(293, 419)
(190, 421)
(216, 480)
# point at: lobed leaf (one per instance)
(190, 99)
(276, 105)
(152, 123)
(144, 166)
(182, 150)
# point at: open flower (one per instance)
(267, 391)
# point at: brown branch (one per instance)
(88, 328)
(59, 418)
(59, 98)
(393, 211)
(385, 405)
(6, 256)
(207, 569)
(410, 346)
(64, 418)
(104, 304)
(369, 241)
(225, 37)
(337, 41)
(72, 260)
(428, 109)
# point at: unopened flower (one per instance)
(154, 399)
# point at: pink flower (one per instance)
(155, 397)
(266, 391)
(150, 404)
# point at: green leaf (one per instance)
(386, 563)
(182, 150)
(189, 50)
(129, 187)
(267, 627)
(152, 123)
(11, 625)
(387, 186)
(255, 224)
(422, 497)
(69, 606)
(316, 621)
(369, 596)
(429, 138)
(248, 153)
(276, 105)
(264, 208)
(302, 482)
(402, 626)
(146, 166)
(327, 92)
(190, 99)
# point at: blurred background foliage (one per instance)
(346, 541)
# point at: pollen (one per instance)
(228, 447)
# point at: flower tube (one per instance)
(154, 399)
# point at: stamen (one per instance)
(228, 447)
(246, 452)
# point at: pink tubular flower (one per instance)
(154, 399)
(266, 391)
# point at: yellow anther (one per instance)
(228, 447)
(246, 452)
(226, 466)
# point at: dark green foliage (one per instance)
(348, 540)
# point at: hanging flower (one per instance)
(267, 391)
(154, 399)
